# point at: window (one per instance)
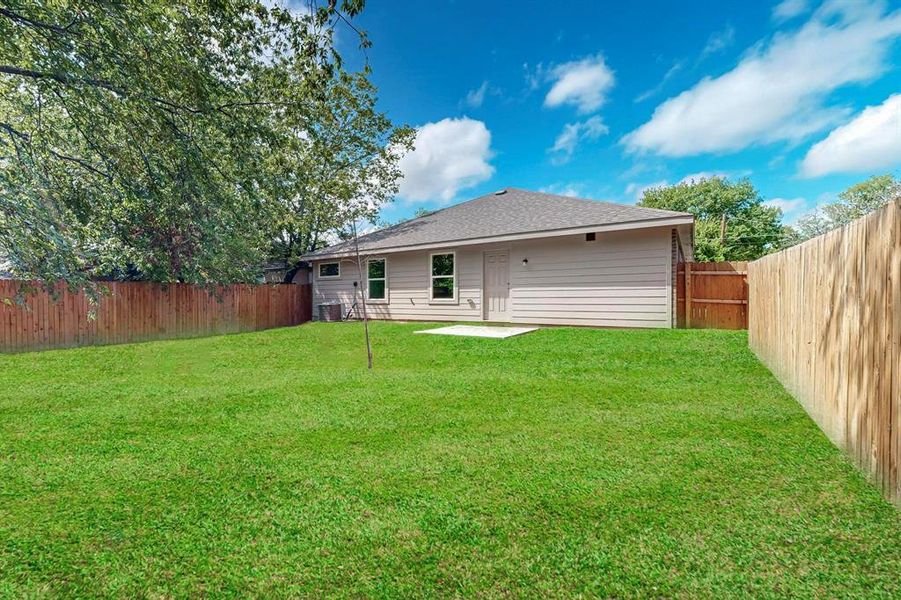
(329, 269)
(377, 279)
(443, 280)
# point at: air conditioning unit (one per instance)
(330, 311)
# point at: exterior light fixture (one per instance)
(525, 262)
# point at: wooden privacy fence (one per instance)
(712, 295)
(825, 317)
(138, 311)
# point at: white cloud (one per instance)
(792, 208)
(787, 205)
(719, 41)
(449, 156)
(779, 89)
(573, 133)
(475, 98)
(573, 190)
(639, 167)
(702, 175)
(789, 9)
(582, 83)
(298, 7)
(872, 140)
(533, 75)
(637, 190)
(670, 73)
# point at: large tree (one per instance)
(732, 223)
(347, 169)
(156, 139)
(858, 200)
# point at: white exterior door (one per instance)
(497, 286)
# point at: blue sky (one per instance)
(601, 99)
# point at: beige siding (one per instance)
(408, 287)
(623, 279)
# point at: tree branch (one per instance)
(82, 163)
(15, 132)
(59, 77)
(33, 22)
(69, 80)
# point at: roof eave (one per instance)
(641, 224)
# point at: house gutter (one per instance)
(644, 224)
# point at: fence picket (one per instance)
(136, 311)
(713, 295)
(824, 317)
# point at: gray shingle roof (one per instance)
(513, 212)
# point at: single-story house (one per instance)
(516, 256)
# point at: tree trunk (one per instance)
(290, 273)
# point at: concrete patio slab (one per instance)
(485, 331)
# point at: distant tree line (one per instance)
(733, 221)
(853, 203)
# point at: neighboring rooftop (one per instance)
(507, 212)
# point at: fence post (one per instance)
(687, 295)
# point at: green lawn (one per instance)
(567, 461)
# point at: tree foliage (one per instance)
(419, 212)
(731, 221)
(171, 141)
(853, 203)
(348, 169)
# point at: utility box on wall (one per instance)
(330, 311)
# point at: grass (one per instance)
(563, 462)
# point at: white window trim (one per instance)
(385, 279)
(453, 300)
(319, 274)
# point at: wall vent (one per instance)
(589, 237)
